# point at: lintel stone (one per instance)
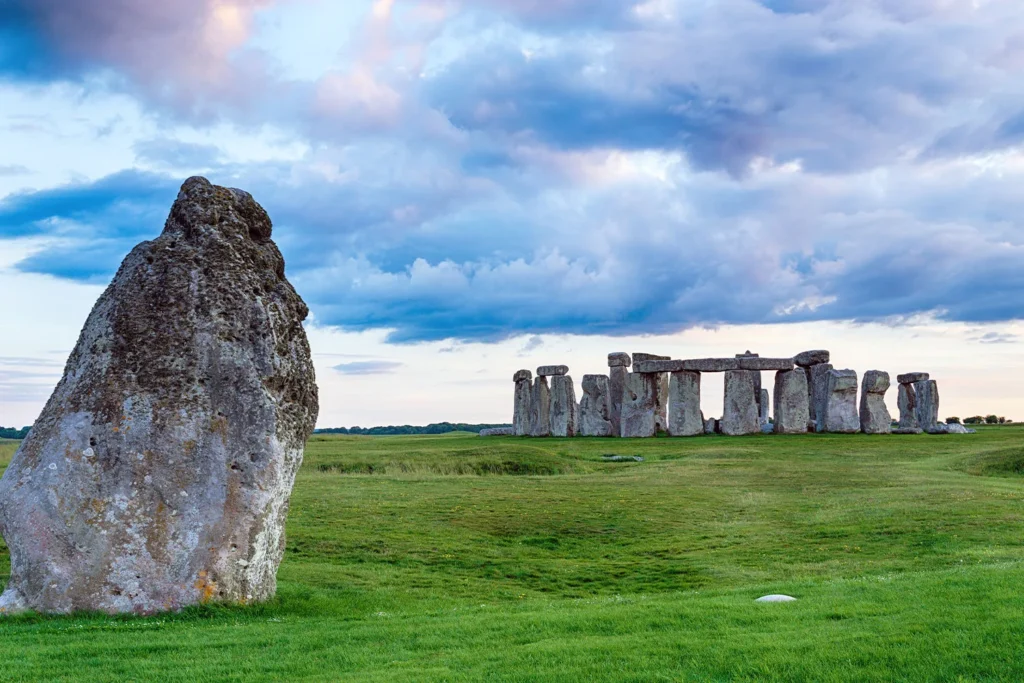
(912, 377)
(766, 364)
(711, 364)
(552, 370)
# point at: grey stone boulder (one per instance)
(710, 364)
(159, 473)
(765, 364)
(841, 415)
(565, 415)
(643, 357)
(684, 416)
(809, 358)
(959, 429)
(740, 416)
(521, 403)
(639, 403)
(874, 415)
(619, 360)
(540, 408)
(791, 415)
(498, 431)
(764, 408)
(817, 390)
(710, 425)
(523, 375)
(927, 406)
(552, 370)
(658, 366)
(912, 377)
(594, 407)
(906, 401)
(618, 376)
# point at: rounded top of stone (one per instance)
(522, 375)
(911, 377)
(809, 358)
(776, 598)
(876, 382)
(619, 360)
(201, 205)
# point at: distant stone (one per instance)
(619, 360)
(622, 458)
(874, 415)
(565, 415)
(522, 375)
(927, 409)
(938, 428)
(552, 370)
(767, 428)
(740, 416)
(617, 377)
(903, 431)
(764, 408)
(766, 364)
(791, 416)
(776, 598)
(540, 408)
(710, 365)
(594, 407)
(912, 377)
(959, 429)
(684, 416)
(709, 425)
(817, 389)
(841, 415)
(498, 431)
(521, 413)
(159, 473)
(809, 358)
(639, 401)
(906, 400)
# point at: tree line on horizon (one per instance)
(400, 430)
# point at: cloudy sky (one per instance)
(465, 188)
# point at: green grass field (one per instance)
(460, 558)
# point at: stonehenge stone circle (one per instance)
(874, 415)
(684, 416)
(740, 416)
(840, 415)
(540, 408)
(809, 358)
(521, 411)
(618, 376)
(791, 415)
(817, 386)
(907, 403)
(565, 417)
(927, 394)
(639, 402)
(159, 473)
(552, 370)
(595, 406)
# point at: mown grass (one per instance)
(460, 558)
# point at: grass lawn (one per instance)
(460, 558)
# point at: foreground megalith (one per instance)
(159, 473)
(874, 415)
(595, 407)
(791, 414)
(565, 411)
(521, 406)
(741, 394)
(840, 414)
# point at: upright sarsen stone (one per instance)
(159, 473)
(521, 412)
(565, 417)
(764, 406)
(684, 416)
(661, 399)
(907, 403)
(840, 414)
(741, 415)
(874, 415)
(618, 374)
(595, 407)
(791, 415)
(639, 403)
(540, 408)
(817, 388)
(927, 409)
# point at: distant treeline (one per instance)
(440, 428)
(12, 433)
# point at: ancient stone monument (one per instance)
(816, 366)
(540, 407)
(740, 414)
(874, 415)
(639, 405)
(595, 407)
(907, 402)
(840, 414)
(927, 394)
(158, 474)
(791, 414)
(565, 415)
(521, 412)
(618, 372)
(661, 387)
(684, 415)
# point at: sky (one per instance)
(465, 188)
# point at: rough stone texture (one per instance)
(840, 412)
(809, 358)
(710, 365)
(642, 357)
(927, 393)
(552, 370)
(874, 415)
(764, 408)
(791, 415)
(498, 431)
(710, 425)
(595, 406)
(159, 473)
(817, 393)
(617, 377)
(684, 416)
(906, 400)
(521, 425)
(740, 416)
(639, 402)
(766, 364)
(661, 403)
(540, 408)
(912, 377)
(658, 366)
(619, 360)
(959, 429)
(565, 412)
(523, 375)
(938, 428)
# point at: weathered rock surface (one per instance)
(540, 408)
(619, 360)
(791, 416)
(765, 364)
(639, 402)
(710, 364)
(809, 358)
(658, 366)
(498, 431)
(159, 473)
(841, 416)
(912, 377)
(552, 370)
(959, 429)
(643, 357)
(523, 397)
(618, 376)
(874, 415)
(927, 408)
(710, 425)
(906, 401)
(740, 416)
(684, 416)
(594, 407)
(764, 408)
(817, 388)
(565, 412)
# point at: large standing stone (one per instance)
(840, 413)
(540, 408)
(521, 409)
(791, 416)
(927, 392)
(159, 473)
(565, 412)
(595, 406)
(907, 403)
(741, 416)
(817, 394)
(874, 415)
(684, 416)
(639, 403)
(662, 388)
(618, 375)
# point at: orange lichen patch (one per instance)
(207, 589)
(190, 448)
(219, 425)
(97, 505)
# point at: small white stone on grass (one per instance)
(776, 598)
